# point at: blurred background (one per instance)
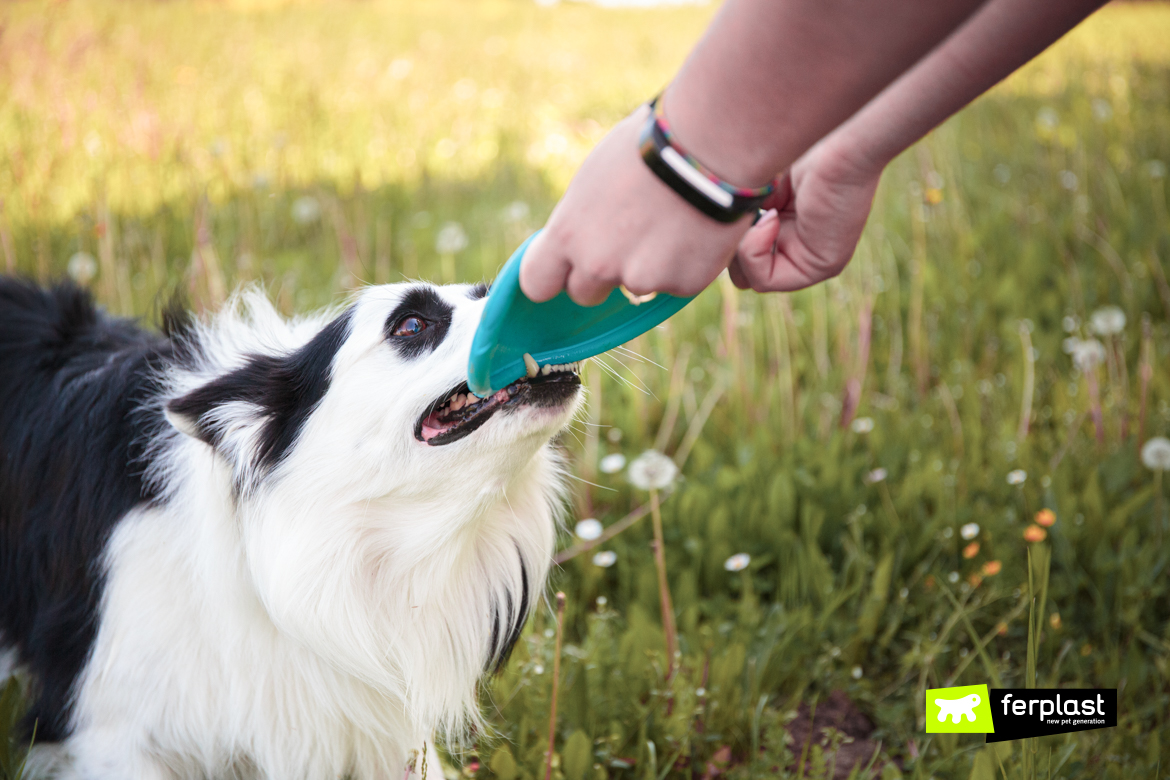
(944, 467)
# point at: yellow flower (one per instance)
(992, 568)
(1046, 517)
(1035, 533)
(1054, 621)
(971, 550)
(933, 196)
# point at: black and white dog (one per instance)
(256, 548)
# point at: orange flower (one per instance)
(975, 580)
(1035, 533)
(933, 196)
(992, 568)
(1001, 629)
(1046, 517)
(971, 550)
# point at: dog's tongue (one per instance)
(432, 426)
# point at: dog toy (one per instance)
(518, 338)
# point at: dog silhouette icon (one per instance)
(958, 708)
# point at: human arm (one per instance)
(825, 197)
(768, 79)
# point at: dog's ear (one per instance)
(252, 416)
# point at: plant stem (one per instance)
(552, 714)
(663, 585)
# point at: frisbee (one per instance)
(554, 332)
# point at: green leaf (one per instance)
(577, 755)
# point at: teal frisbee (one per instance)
(556, 331)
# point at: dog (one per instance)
(252, 547)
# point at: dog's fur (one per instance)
(236, 548)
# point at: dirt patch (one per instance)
(838, 712)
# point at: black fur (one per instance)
(75, 420)
(500, 652)
(478, 291)
(287, 389)
(424, 303)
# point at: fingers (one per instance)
(544, 270)
(586, 290)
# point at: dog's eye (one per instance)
(410, 326)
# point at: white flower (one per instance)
(452, 238)
(516, 211)
(877, 475)
(1156, 454)
(602, 601)
(737, 562)
(953, 577)
(612, 463)
(1070, 344)
(856, 673)
(1017, 477)
(1107, 321)
(588, 529)
(538, 669)
(652, 471)
(1088, 354)
(82, 267)
(605, 559)
(969, 531)
(305, 209)
(863, 425)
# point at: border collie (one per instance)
(249, 547)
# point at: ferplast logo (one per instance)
(962, 710)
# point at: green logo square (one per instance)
(962, 710)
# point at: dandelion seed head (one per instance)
(1156, 454)
(612, 463)
(1088, 354)
(969, 531)
(737, 562)
(82, 268)
(1107, 321)
(588, 529)
(605, 559)
(653, 471)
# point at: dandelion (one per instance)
(1070, 344)
(1088, 354)
(452, 238)
(588, 529)
(700, 692)
(605, 559)
(82, 268)
(877, 475)
(737, 562)
(1046, 517)
(1017, 477)
(653, 471)
(538, 669)
(1107, 321)
(1155, 453)
(971, 550)
(862, 425)
(857, 673)
(602, 601)
(516, 211)
(612, 463)
(969, 531)
(1035, 533)
(991, 568)
(305, 210)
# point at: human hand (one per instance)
(813, 222)
(619, 224)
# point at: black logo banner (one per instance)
(1019, 713)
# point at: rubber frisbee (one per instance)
(556, 331)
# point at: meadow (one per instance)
(924, 473)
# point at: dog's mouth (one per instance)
(460, 412)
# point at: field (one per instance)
(882, 446)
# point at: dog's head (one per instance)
(375, 398)
(385, 520)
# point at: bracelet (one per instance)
(688, 177)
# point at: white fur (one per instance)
(337, 613)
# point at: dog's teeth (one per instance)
(545, 370)
(456, 403)
(472, 399)
(531, 366)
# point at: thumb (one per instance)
(543, 269)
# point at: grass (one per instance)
(313, 146)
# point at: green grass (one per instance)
(171, 142)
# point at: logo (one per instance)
(962, 710)
(1018, 713)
